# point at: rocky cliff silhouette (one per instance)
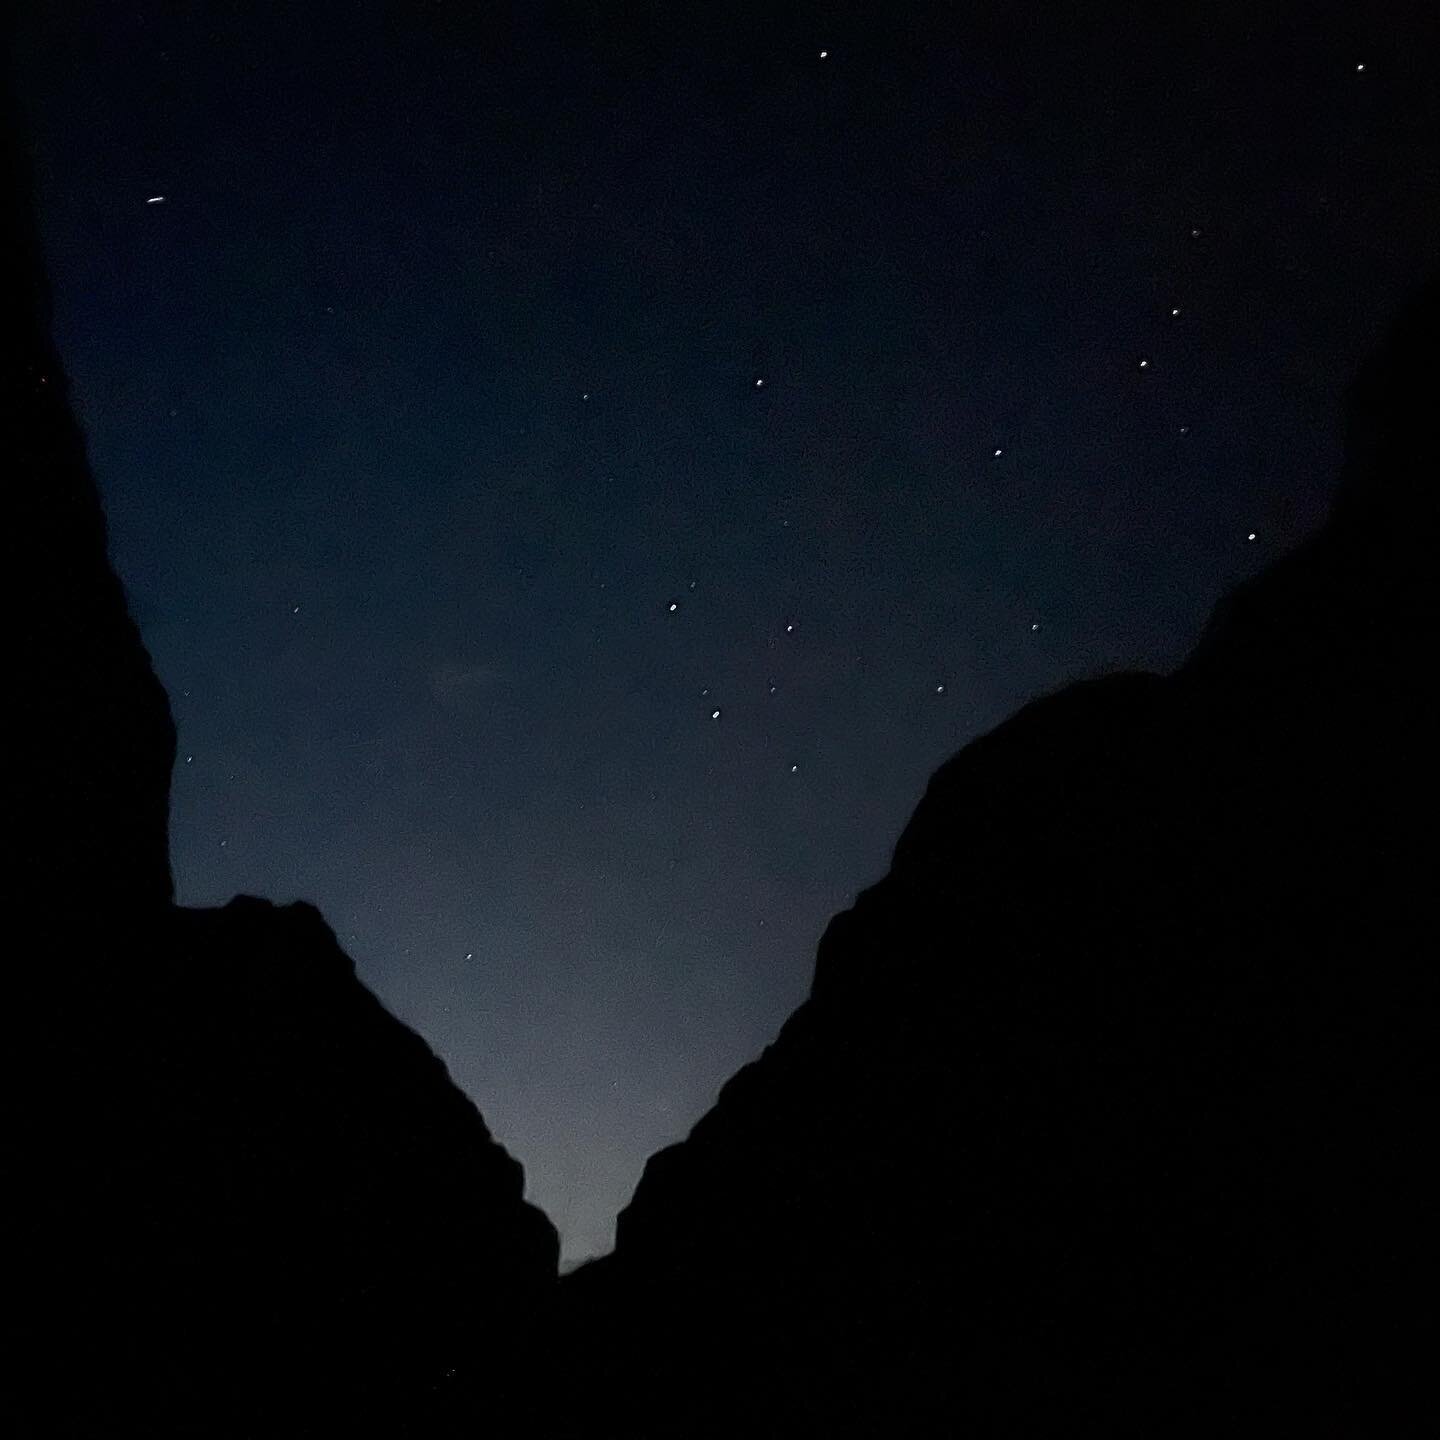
(247, 1200)
(1104, 1112)
(1109, 1110)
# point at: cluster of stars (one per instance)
(716, 712)
(673, 605)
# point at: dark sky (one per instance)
(575, 673)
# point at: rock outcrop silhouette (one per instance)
(247, 1201)
(1108, 1111)
(1105, 1111)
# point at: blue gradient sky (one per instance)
(431, 384)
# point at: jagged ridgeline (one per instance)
(1108, 1112)
(1104, 1113)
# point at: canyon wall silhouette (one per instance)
(1104, 1112)
(247, 1200)
(1107, 1110)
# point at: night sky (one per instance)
(579, 469)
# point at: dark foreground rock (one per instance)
(1109, 1112)
(1109, 1108)
(261, 1206)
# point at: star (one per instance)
(759, 383)
(998, 452)
(825, 55)
(1034, 627)
(1250, 536)
(673, 606)
(1174, 310)
(156, 200)
(715, 714)
(1144, 364)
(469, 955)
(1359, 69)
(789, 628)
(939, 689)
(794, 769)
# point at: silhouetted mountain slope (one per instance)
(1109, 1109)
(95, 731)
(268, 1210)
(1104, 1112)
(246, 1200)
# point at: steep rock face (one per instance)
(1103, 1110)
(268, 1209)
(96, 741)
(245, 1200)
